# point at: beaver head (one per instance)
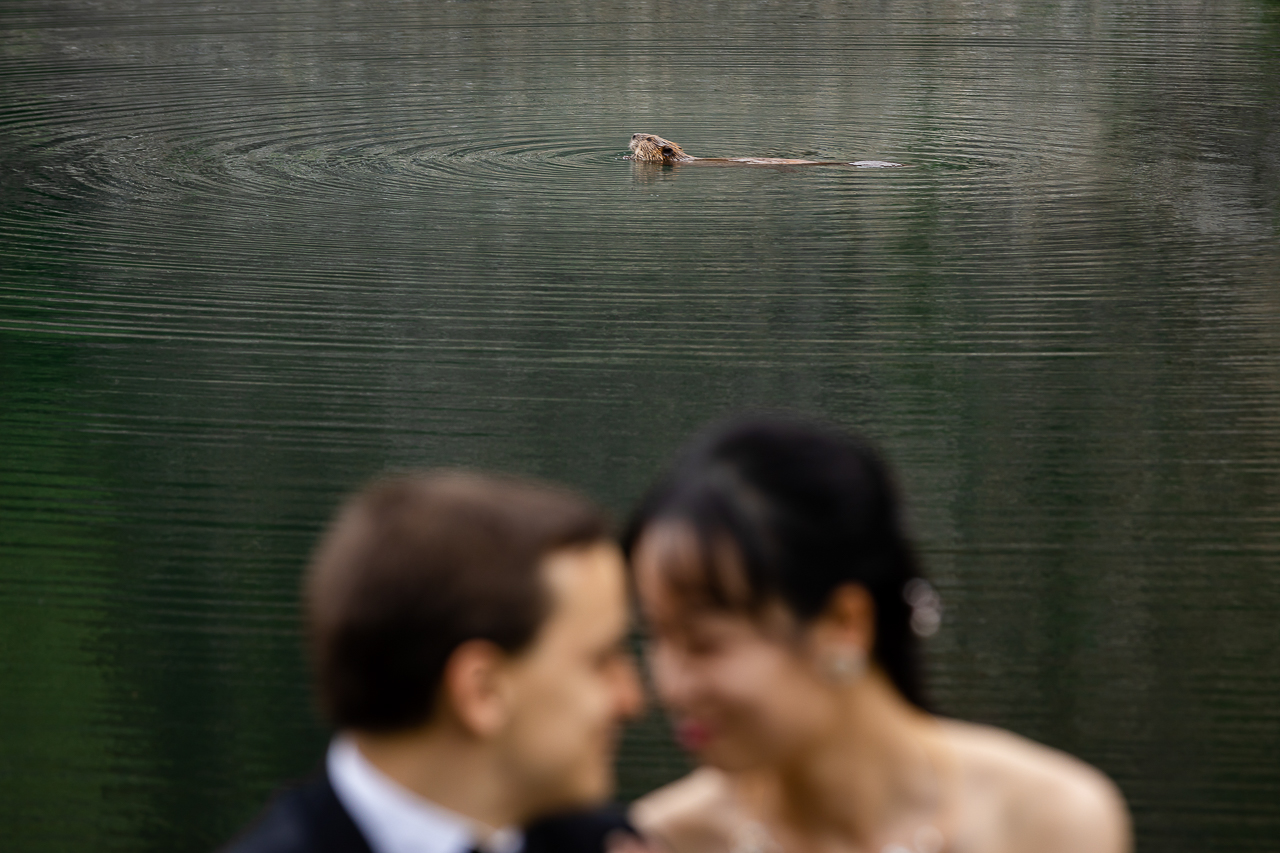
(655, 149)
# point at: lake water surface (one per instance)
(252, 254)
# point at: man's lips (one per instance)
(692, 734)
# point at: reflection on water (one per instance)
(252, 256)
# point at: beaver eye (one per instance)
(668, 150)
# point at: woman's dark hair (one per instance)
(808, 508)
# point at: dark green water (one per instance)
(252, 254)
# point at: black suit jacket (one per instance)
(305, 819)
(311, 819)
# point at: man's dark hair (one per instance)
(805, 508)
(412, 567)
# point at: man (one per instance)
(468, 638)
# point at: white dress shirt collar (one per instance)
(393, 819)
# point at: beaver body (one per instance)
(648, 148)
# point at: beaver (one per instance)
(648, 148)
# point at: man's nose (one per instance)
(629, 695)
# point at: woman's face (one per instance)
(742, 692)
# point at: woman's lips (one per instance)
(693, 735)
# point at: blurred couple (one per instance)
(469, 638)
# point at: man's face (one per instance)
(574, 686)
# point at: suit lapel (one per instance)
(335, 831)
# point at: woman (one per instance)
(783, 607)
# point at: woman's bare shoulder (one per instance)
(694, 813)
(1042, 798)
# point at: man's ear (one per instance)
(473, 689)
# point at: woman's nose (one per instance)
(670, 673)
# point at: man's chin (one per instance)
(597, 791)
(587, 794)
